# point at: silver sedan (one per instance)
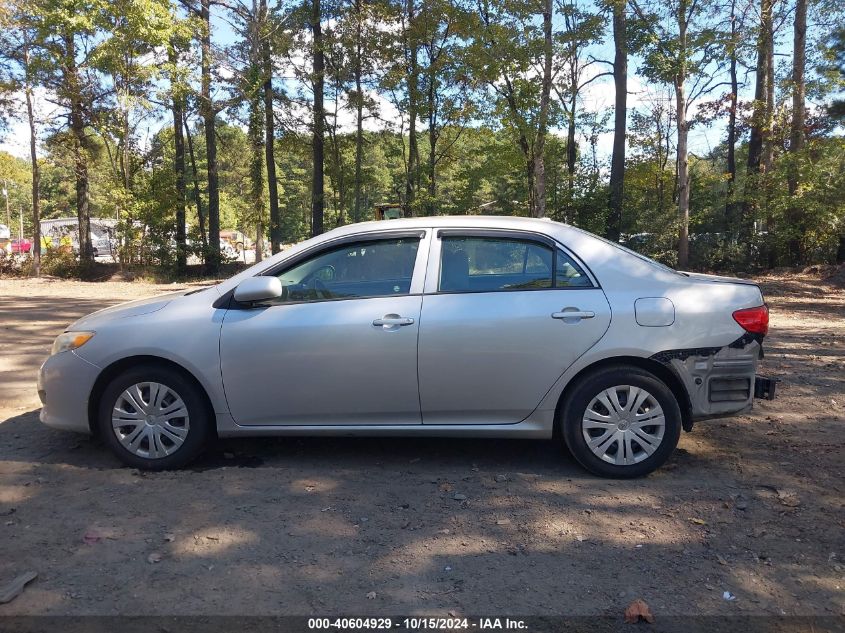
(446, 326)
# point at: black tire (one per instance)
(590, 386)
(199, 430)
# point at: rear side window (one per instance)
(489, 264)
(353, 271)
(568, 274)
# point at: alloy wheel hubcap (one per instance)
(623, 425)
(150, 420)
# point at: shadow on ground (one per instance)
(751, 505)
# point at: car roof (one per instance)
(590, 249)
(541, 225)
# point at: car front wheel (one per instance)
(621, 422)
(153, 418)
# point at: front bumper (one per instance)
(65, 382)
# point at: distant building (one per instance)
(65, 232)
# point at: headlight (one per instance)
(70, 340)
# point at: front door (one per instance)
(503, 317)
(339, 347)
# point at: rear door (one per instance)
(505, 313)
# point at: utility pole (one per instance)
(8, 215)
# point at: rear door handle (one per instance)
(392, 321)
(573, 313)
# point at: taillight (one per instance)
(754, 320)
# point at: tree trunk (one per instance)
(178, 167)
(681, 163)
(126, 151)
(318, 81)
(768, 158)
(683, 175)
(542, 123)
(197, 195)
(571, 149)
(750, 203)
(256, 171)
(359, 112)
(209, 116)
(257, 125)
(432, 143)
(270, 135)
(530, 177)
(617, 161)
(794, 215)
(413, 88)
(80, 156)
(36, 170)
(730, 201)
(80, 162)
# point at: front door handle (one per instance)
(573, 313)
(392, 321)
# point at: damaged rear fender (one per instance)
(718, 380)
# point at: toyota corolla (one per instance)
(443, 326)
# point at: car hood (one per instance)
(124, 310)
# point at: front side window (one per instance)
(489, 264)
(353, 271)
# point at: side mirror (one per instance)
(258, 289)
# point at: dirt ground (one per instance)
(751, 505)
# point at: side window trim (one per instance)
(417, 276)
(435, 258)
(346, 239)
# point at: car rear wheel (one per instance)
(153, 418)
(621, 422)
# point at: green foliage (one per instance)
(478, 65)
(834, 69)
(60, 262)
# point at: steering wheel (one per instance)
(320, 289)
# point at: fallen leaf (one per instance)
(91, 537)
(637, 610)
(721, 559)
(155, 557)
(445, 487)
(698, 521)
(371, 595)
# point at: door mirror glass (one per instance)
(256, 289)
